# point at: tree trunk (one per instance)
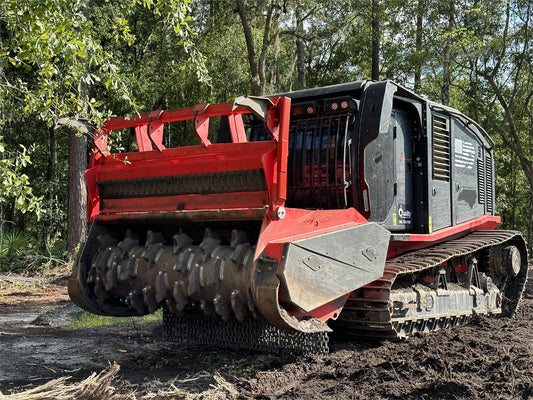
(77, 163)
(418, 45)
(250, 47)
(446, 74)
(530, 226)
(300, 49)
(1, 226)
(258, 63)
(512, 139)
(375, 40)
(77, 193)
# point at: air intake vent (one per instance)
(441, 148)
(480, 178)
(489, 184)
(319, 164)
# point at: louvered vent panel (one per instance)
(480, 178)
(489, 184)
(441, 148)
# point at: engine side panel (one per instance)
(460, 178)
(470, 183)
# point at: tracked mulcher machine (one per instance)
(360, 208)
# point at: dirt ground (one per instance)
(489, 358)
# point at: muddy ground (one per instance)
(489, 358)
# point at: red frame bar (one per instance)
(404, 242)
(203, 158)
(210, 110)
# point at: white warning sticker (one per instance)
(465, 154)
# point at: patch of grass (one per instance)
(88, 320)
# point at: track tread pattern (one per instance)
(371, 318)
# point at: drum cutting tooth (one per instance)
(190, 262)
(120, 273)
(100, 260)
(111, 277)
(103, 241)
(154, 237)
(194, 280)
(220, 251)
(210, 242)
(99, 290)
(222, 307)
(251, 306)
(130, 234)
(136, 252)
(171, 305)
(115, 255)
(128, 244)
(220, 270)
(149, 299)
(135, 301)
(181, 262)
(181, 242)
(141, 268)
(238, 237)
(212, 276)
(237, 305)
(166, 281)
(208, 272)
(162, 257)
(210, 233)
(240, 253)
(161, 286)
(132, 267)
(201, 277)
(208, 245)
(207, 307)
(152, 251)
(125, 269)
(179, 295)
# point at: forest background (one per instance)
(91, 59)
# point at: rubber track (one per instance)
(371, 318)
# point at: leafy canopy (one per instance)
(56, 46)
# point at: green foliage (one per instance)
(52, 40)
(74, 58)
(14, 243)
(14, 183)
(17, 251)
(65, 46)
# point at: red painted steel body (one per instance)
(401, 243)
(270, 156)
(154, 160)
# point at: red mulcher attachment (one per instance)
(206, 226)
